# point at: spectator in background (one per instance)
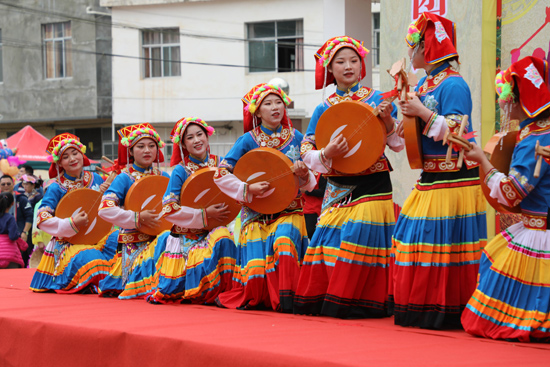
(313, 201)
(22, 210)
(39, 238)
(25, 169)
(11, 245)
(29, 183)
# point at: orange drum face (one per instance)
(199, 192)
(500, 147)
(146, 194)
(268, 164)
(87, 201)
(364, 131)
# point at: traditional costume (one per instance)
(270, 246)
(512, 299)
(134, 271)
(66, 267)
(441, 229)
(198, 263)
(345, 270)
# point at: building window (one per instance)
(57, 50)
(375, 39)
(161, 53)
(276, 46)
(1, 65)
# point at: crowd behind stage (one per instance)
(336, 246)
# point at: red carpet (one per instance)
(85, 330)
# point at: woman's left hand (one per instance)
(104, 186)
(300, 169)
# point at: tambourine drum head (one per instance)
(501, 148)
(412, 131)
(146, 194)
(199, 192)
(365, 133)
(87, 201)
(268, 164)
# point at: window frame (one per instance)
(148, 61)
(375, 41)
(276, 40)
(65, 50)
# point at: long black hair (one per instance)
(6, 201)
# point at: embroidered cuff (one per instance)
(73, 225)
(429, 123)
(490, 174)
(204, 218)
(245, 193)
(392, 129)
(136, 220)
(323, 159)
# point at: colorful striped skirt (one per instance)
(67, 268)
(436, 249)
(195, 270)
(345, 269)
(512, 299)
(268, 264)
(134, 270)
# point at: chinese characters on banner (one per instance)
(438, 7)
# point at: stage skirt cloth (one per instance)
(345, 269)
(512, 299)
(68, 268)
(196, 267)
(436, 250)
(268, 262)
(135, 270)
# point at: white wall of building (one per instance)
(207, 91)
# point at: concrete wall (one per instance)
(26, 96)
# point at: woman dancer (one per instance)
(441, 229)
(345, 271)
(271, 246)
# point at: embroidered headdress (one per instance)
(177, 136)
(439, 36)
(531, 75)
(253, 99)
(130, 135)
(58, 145)
(324, 56)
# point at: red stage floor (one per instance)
(85, 330)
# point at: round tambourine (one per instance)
(500, 148)
(199, 192)
(363, 129)
(146, 194)
(268, 164)
(87, 201)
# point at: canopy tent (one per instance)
(31, 146)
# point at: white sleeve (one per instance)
(438, 129)
(313, 161)
(187, 217)
(59, 227)
(119, 217)
(494, 185)
(395, 142)
(230, 185)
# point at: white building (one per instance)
(178, 58)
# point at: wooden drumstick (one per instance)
(450, 148)
(111, 177)
(107, 160)
(101, 170)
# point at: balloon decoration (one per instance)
(9, 162)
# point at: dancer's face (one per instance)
(346, 68)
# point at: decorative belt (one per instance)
(439, 165)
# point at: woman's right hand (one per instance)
(337, 147)
(258, 188)
(217, 212)
(80, 220)
(400, 130)
(149, 218)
